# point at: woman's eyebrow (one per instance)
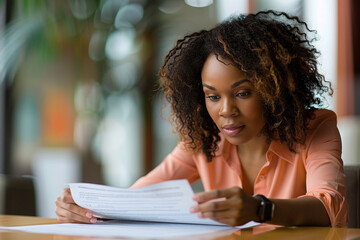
(208, 86)
(239, 83)
(232, 86)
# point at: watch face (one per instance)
(266, 208)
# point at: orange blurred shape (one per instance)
(58, 118)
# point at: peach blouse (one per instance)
(316, 169)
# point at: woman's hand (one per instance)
(236, 208)
(68, 211)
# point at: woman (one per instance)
(244, 97)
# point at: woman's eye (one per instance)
(243, 94)
(213, 98)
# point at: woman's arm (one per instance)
(300, 211)
(179, 164)
(238, 208)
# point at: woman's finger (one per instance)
(68, 211)
(76, 209)
(65, 215)
(229, 213)
(68, 217)
(66, 220)
(66, 196)
(214, 194)
(218, 205)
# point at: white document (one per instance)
(133, 229)
(168, 201)
(157, 211)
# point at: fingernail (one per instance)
(192, 209)
(93, 220)
(195, 198)
(89, 215)
(199, 215)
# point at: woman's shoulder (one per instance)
(323, 125)
(320, 116)
(321, 128)
(324, 113)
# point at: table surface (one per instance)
(258, 232)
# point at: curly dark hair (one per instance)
(273, 50)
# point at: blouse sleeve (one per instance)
(179, 164)
(325, 178)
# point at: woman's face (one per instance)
(231, 101)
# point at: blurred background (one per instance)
(78, 81)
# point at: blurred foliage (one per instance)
(51, 27)
(83, 30)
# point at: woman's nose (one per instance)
(228, 108)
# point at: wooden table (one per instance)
(259, 232)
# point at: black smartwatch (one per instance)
(266, 208)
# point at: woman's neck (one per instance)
(252, 157)
(254, 149)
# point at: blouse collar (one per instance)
(276, 147)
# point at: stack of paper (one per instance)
(157, 211)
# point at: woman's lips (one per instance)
(233, 130)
